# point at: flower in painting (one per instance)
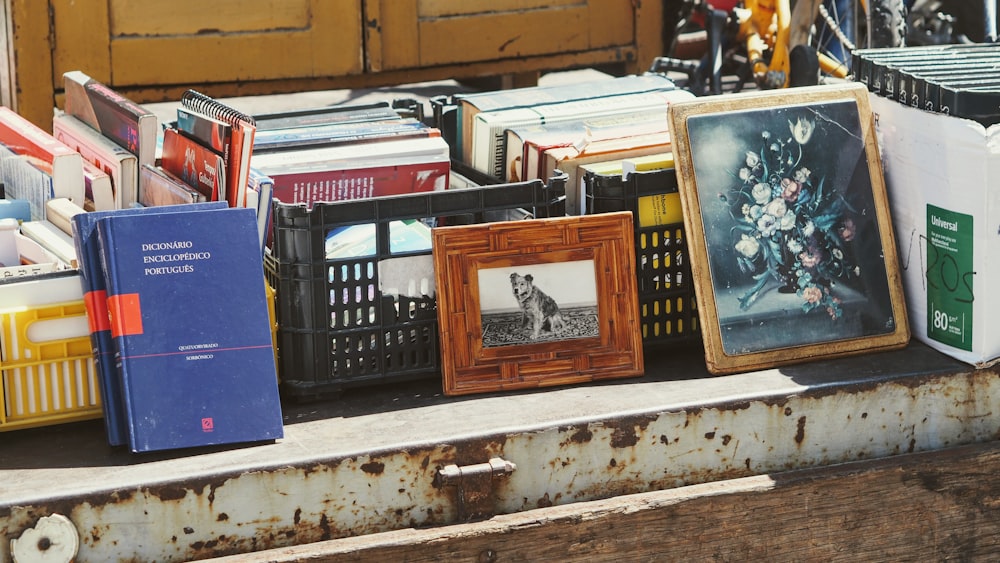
(812, 294)
(787, 221)
(748, 246)
(761, 193)
(776, 208)
(790, 189)
(767, 225)
(790, 226)
(808, 229)
(809, 258)
(847, 230)
(802, 130)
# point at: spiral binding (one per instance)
(196, 101)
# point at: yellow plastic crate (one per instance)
(47, 366)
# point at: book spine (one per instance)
(95, 303)
(287, 139)
(104, 153)
(60, 212)
(103, 109)
(264, 185)
(325, 116)
(377, 181)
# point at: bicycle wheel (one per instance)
(840, 26)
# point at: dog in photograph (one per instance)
(540, 312)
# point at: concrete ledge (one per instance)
(366, 462)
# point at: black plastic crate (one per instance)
(667, 307)
(339, 326)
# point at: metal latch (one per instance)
(475, 486)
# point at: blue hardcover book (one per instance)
(92, 278)
(190, 322)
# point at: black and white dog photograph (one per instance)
(538, 303)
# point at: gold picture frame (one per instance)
(790, 239)
(524, 304)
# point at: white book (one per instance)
(51, 238)
(60, 212)
(104, 153)
(489, 128)
(100, 193)
(348, 156)
(64, 164)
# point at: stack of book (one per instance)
(960, 80)
(349, 152)
(528, 133)
(183, 359)
(40, 177)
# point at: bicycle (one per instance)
(778, 45)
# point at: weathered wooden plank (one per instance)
(191, 17)
(444, 8)
(153, 93)
(81, 40)
(934, 506)
(30, 61)
(503, 36)
(256, 56)
(6, 55)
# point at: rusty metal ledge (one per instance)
(366, 462)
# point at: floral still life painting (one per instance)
(796, 236)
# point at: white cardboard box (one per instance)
(942, 175)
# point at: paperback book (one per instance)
(468, 106)
(125, 122)
(197, 165)
(102, 152)
(195, 358)
(327, 115)
(489, 128)
(64, 164)
(340, 133)
(159, 187)
(242, 131)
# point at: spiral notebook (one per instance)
(240, 145)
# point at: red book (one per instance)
(243, 129)
(199, 166)
(353, 171)
(357, 183)
(27, 139)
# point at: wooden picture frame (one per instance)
(586, 267)
(792, 249)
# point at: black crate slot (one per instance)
(346, 321)
(667, 307)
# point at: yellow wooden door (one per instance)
(128, 43)
(405, 34)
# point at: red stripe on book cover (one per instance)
(126, 314)
(96, 303)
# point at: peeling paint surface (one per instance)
(371, 467)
